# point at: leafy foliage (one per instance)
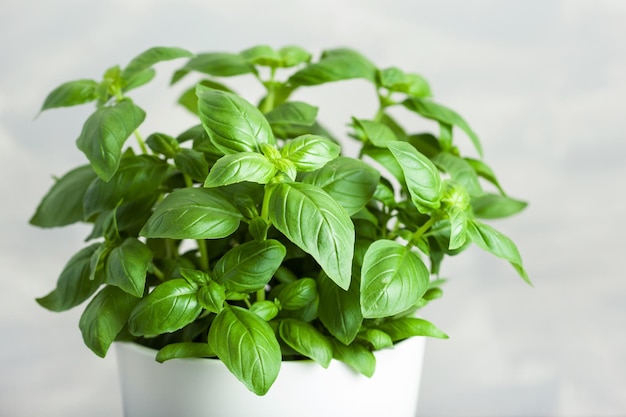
(251, 236)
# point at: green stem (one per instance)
(423, 228)
(204, 255)
(141, 142)
(260, 294)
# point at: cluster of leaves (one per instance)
(249, 236)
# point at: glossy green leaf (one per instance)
(297, 294)
(377, 133)
(340, 310)
(250, 266)
(262, 55)
(495, 206)
(233, 124)
(219, 64)
(356, 356)
(494, 242)
(169, 307)
(317, 224)
(189, 100)
(127, 265)
(376, 338)
(435, 111)
(138, 79)
(71, 93)
(184, 350)
(63, 203)
(348, 181)
(247, 346)
(458, 228)
(310, 152)
(287, 118)
(306, 340)
(193, 213)
(104, 134)
(293, 55)
(239, 167)
(393, 279)
(460, 171)
(148, 58)
(212, 296)
(192, 163)
(422, 177)
(484, 171)
(73, 286)
(396, 80)
(405, 327)
(105, 317)
(265, 309)
(335, 65)
(163, 144)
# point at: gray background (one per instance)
(541, 81)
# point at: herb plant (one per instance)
(250, 236)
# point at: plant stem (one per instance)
(260, 294)
(141, 142)
(204, 255)
(423, 228)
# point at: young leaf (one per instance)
(147, 59)
(73, 286)
(434, 111)
(293, 55)
(184, 350)
(348, 181)
(405, 327)
(484, 171)
(297, 209)
(193, 163)
(339, 310)
(265, 309)
(169, 307)
(285, 117)
(356, 356)
(491, 240)
(263, 55)
(127, 265)
(104, 134)
(250, 266)
(105, 317)
(495, 206)
(71, 94)
(377, 133)
(219, 64)
(233, 124)
(193, 213)
(63, 204)
(458, 228)
(247, 346)
(239, 167)
(335, 65)
(421, 175)
(460, 171)
(310, 152)
(376, 338)
(189, 100)
(163, 144)
(306, 340)
(212, 296)
(393, 279)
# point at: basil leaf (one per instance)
(105, 317)
(495, 206)
(104, 134)
(249, 266)
(262, 55)
(127, 265)
(293, 55)
(356, 356)
(292, 114)
(247, 346)
(339, 310)
(63, 203)
(184, 350)
(494, 242)
(377, 133)
(348, 181)
(148, 58)
(189, 100)
(295, 209)
(296, 295)
(163, 144)
(212, 296)
(310, 152)
(376, 338)
(244, 166)
(71, 93)
(306, 340)
(460, 171)
(393, 279)
(458, 228)
(219, 64)
(73, 286)
(484, 171)
(421, 175)
(335, 65)
(169, 307)
(265, 309)
(193, 213)
(193, 163)
(233, 124)
(405, 327)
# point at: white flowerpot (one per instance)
(205, 387)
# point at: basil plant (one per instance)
(250, 236)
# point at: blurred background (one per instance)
(542, 82)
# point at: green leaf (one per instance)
(73, 286)
(63, 203)
(421, 175)
(317, 224)
(335, 65)
(393, 279)
(293, 55)
(250, 266)
(219, 64)
(104, 134)
(239, 167)
(71, 93)
(265, 309)
(458, 228)
(495, 206)
(395, 79)
(262, 55)
(494, 242)
(136, 177)
(169, 307)
(356, 356)
(248, 347)
(233, 124)
(349, 181)
(310, 152)
(297, 294)
(105, 317)
(292, 114)
(184, 350)
(376, 338)
(148, 58)
(484, 171)
(434, 111)
(212, 296)
(127, 265)
(306, 340)
(193, 213)
(163, 144)
(377, 133)
(193, 163)
(405, 327)
(139, 79)
(460, 171)
(189, 100)
(339, 310)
